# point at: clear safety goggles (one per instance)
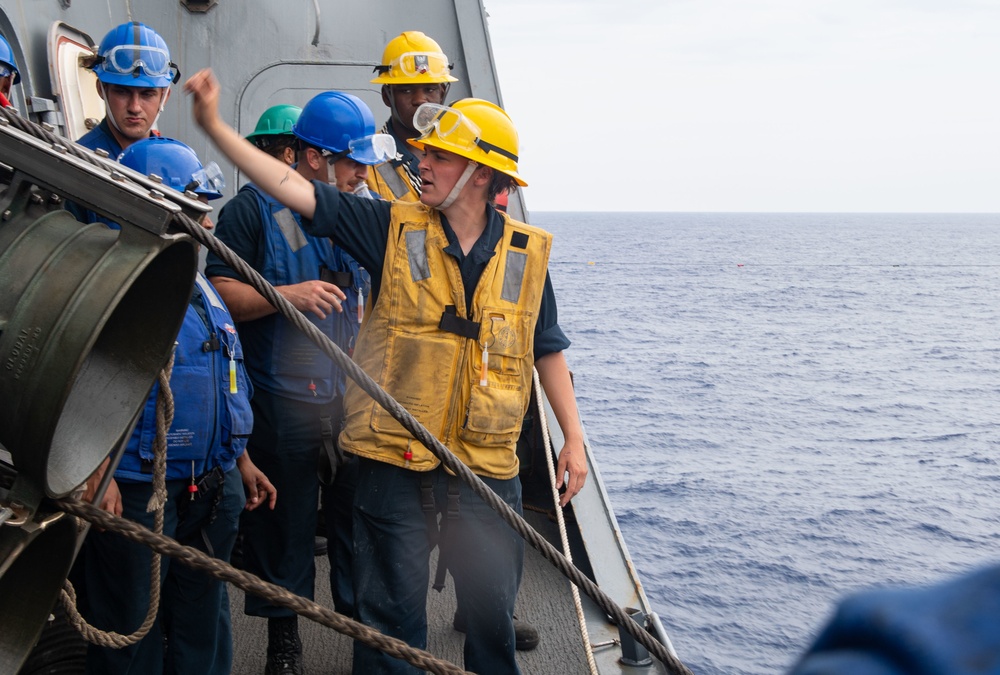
(412, 64)
(5, 71)
(447, 121)
(209, 179)
(454, 128)
(377, 147)
(126, 59)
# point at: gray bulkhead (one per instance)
(263, 52)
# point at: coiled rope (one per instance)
(449, 460)
(157, 502)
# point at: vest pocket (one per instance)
(509, 336)
(420, 379)
(495, 411)
(494, 415)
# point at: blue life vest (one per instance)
(280, 358)
(211, 423)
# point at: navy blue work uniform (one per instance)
(297, 406)
(210, 428)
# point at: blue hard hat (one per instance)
(7, 59)
(134, 55)
(343, 125)
(176, 164)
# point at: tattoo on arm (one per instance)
(285, 179)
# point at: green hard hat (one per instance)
(276, 121)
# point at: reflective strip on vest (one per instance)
(416, 250)
(290, 228)
(513, 275)
(387, 172)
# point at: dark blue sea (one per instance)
(786, 408)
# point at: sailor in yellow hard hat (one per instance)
(461, 310)
(414, 70)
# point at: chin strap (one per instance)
(462, 180)
(107, 108)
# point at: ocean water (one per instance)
(786, 408)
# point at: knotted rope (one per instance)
(157, 502)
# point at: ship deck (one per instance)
(544, 600)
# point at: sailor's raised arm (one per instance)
(270, 174)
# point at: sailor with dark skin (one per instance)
(469, 154)
(413, 71)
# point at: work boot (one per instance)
(284, 648)
(526, 636)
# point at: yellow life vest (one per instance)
(392, 182)
(419, 344)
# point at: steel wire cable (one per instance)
(362, 379)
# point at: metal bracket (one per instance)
(199, 6)
(54, 169)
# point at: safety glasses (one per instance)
(5, 71)
(454, 128)
(412, 64)
(376, 148)
(447, 121)
(209, 179)
(126, 59)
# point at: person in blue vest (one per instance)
(298, 401)
(207, 469)
(273, 132)
(9, 74)
(134, 75)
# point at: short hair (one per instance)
(499, 183)
(276, 144)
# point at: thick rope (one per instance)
(344, 362)
(561, 520)
(420, 433)
(276, 595)
(157, 502)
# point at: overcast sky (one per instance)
(753, 105)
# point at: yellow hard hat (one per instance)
(472, 128)
(413, 58)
